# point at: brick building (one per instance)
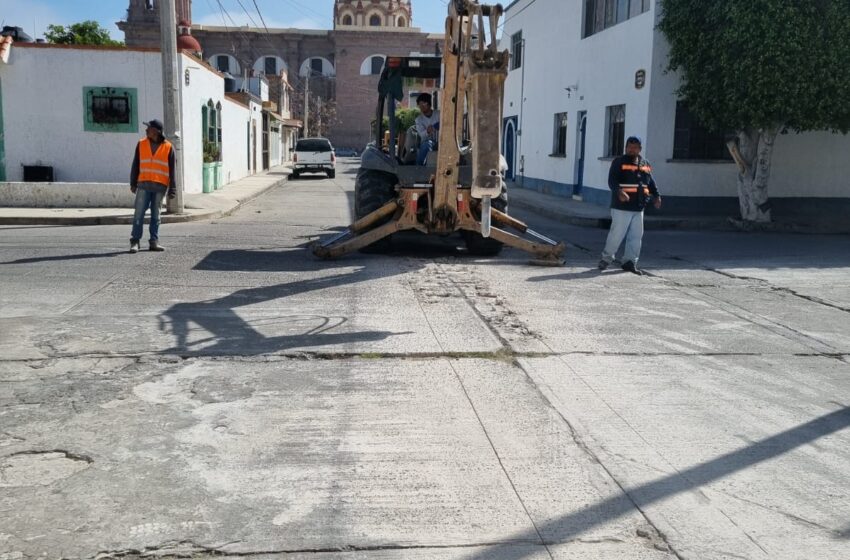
(339, 67)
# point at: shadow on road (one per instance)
(78, 257)
(570, 526)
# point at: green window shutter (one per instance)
(110, 109)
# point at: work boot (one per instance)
(155, 246)
(134, 245)
(603, 264)
(630, 267)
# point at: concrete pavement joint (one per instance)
(502, 355)
(190, 549)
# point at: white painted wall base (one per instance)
(66, 195)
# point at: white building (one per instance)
(586, 74)
(77, 113)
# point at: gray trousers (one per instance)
(624, 225)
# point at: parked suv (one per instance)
(314, 155)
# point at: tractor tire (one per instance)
(372, 190)
(480, 246)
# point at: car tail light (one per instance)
(333, 157)
(295, 158)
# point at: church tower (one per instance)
(364, 14)
(141, 28)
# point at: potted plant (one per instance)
(210, 157)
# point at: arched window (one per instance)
(375, 20)
(269, 65)
(372, 65)
(347, 20)
(316, 66)
(225, 63)
(402, 22)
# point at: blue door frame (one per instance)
(509, 133)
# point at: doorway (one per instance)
(581, 142)
(2, 141)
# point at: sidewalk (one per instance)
(584, 214)
(197, 206)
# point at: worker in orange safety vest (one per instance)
(151, 179)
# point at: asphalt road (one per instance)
(235, 396)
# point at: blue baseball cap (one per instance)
(634, 140)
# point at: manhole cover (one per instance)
(39, 468)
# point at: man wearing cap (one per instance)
(151, 178)
(632, 189)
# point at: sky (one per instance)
(35, 15)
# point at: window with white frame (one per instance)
(559, 141)
(615, 136)
(516, 50)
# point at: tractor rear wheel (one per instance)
(373, 190)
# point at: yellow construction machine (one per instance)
(461, 189)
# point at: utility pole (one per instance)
(171, 96)
(307, 105)
(319, 116)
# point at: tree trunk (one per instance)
(753, 151)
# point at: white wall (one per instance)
(556, 57)
(810, 164)
(205, 85)
(43, 111)
(234, 131)
(604, 65)
(43, 114)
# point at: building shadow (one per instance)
(569, 527)
(78, 257)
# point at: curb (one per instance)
(650, 223)
(166, 218)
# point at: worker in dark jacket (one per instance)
(151, 177)
(632, 189)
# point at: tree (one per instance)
(761, 68)
(84, 33)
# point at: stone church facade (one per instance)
(339, 66)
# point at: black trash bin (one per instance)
(38, 174)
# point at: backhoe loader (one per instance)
(461, 189)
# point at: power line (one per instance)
(261, 16)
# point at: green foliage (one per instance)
(761, 64)
(84, 33)
(212, 153)
(406, 118)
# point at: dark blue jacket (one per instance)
(634, 177)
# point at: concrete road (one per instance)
(233, 396)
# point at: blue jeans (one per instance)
(624, 225)
(425, 148)
(144, 200)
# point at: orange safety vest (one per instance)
(153, 168)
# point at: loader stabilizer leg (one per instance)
(545, 253)
(401, 212)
